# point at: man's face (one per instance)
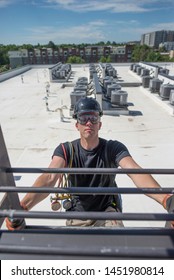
(88, 123)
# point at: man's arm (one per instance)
(31, 199)
(44, 180)
(142, 180)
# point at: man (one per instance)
(90, 151)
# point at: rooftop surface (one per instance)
(32, 132)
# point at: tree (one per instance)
(153, 56)
(75, 59)
(4, 59)
(102, 59)
(108, 43)
(114, 43)
(26, 46)
(140, 52)
(51, 45)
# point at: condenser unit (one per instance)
(135, 67)
(146, 81)
(75, 96)
(119, 97)
(82, 81)
(145, 72)
(112, 87)
(107, 81)
(155, 85)
(131, 67)
(165, 90)
(171, 98)
(138, 69)
(79, 87)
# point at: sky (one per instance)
(82, 21)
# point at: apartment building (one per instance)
(153, 39)
(90, 54)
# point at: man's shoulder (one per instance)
(110, 142)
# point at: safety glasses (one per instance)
(84, 118)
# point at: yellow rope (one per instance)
(64, 178)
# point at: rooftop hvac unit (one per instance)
(83, 80)
(75, 96)
(145, 72)
(57, 74)
(155, 85)
(164, 71)
(80, 87)
(112, 87)
(110, 72)
(106, 78)
(146, 81)
(62, 74)
(107, 83)
(165, 91)
(114, 73)
(119, 97)
(171, 98)
(135, 67)
(131, 67)
(138, 69)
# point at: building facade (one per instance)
(90, 54)
(168, 46)
(154, 39)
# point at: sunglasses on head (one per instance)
(84, 118)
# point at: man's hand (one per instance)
(168, 204)
(16, 224)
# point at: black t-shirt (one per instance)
(106, 154)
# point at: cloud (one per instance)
(114, 6)
(90, 32)
(5, 3)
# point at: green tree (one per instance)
(140, 53)
(75, 59)
(102, 59)
(4, 59)
(51, 45)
